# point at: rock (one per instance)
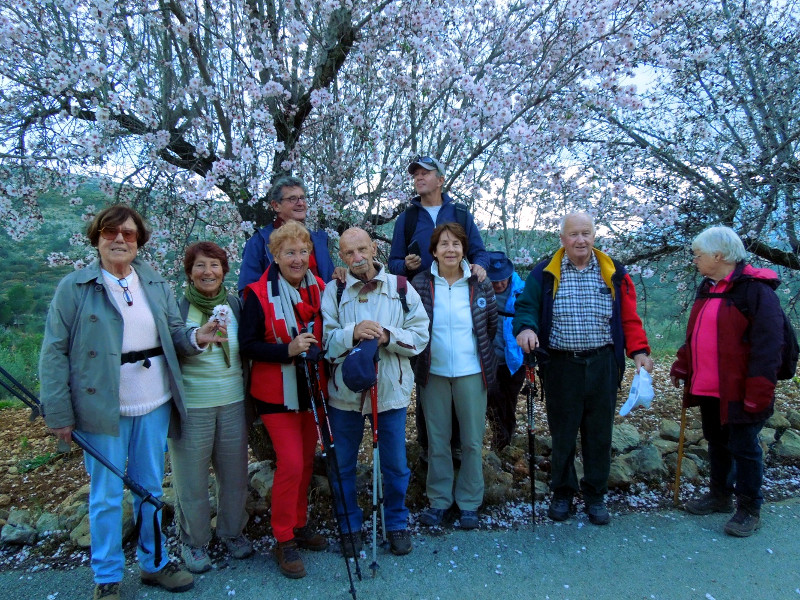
(47, 523)
(692, 436)
(541, 489)
(793, 416)
(665, 446)
(261, 480)
(690, 471)
(669, 430)
(319, 483)
(492, 461)
(624, 438)
(767, 435)
(5, 499)
(788, 446)
(621, 473)
(648, 464)
(778, 421)
(81, 536)
(19, 516)
(18, 534)
(543, 445)
(513, 454)
(700, 459)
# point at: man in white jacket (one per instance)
(374, 305)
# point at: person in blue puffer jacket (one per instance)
(502, 401)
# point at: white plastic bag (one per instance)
(641, 392)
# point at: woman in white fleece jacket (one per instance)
(455, 371)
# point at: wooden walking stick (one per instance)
(681, 437)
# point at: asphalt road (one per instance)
(656, 556)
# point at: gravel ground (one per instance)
(665, 555)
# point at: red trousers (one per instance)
(294, 437)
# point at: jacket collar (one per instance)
(606, 263)
(445, 200)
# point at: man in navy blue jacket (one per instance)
(410, 246)
(431, 207)
(288, 199)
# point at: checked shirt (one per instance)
(581, 309)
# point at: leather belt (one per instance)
(145, 355)
(578, 353)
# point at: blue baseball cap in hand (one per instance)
(358, 368)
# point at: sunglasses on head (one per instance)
(111, 233)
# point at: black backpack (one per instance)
(790, 350)
(412, 214)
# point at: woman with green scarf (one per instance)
(215, 430)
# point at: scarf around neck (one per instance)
(206, 306)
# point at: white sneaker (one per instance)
(196, 558)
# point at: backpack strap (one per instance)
(402, 289)
(411, 216)
(461, 214)
(340, 285)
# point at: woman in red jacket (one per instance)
(729, 364)
(281, 321)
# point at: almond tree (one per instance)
(186, 102)
(713, 134)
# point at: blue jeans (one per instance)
(140, 445)
(736, 464)
(348, 430)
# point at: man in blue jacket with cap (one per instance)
(502, 401)
(411, 239)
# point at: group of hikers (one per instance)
(313, 349)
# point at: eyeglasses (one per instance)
(111, 233)
(126, 292)
(293, 199)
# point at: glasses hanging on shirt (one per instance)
(126, 292)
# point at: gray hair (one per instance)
(720, 240)
(563, 222)
(276, 191)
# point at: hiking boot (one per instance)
(432, 517)
(106, 591)
(309, 539)
(238, 547)
(710, 503)
(560, 509)
(598, 513)
(196, 558)
(171, 577)
(289, 561)
(746, 520)
(469, 519)
(352, 549)
(399, 542)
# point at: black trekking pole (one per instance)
(332, 466)
(31, 401)
(531, 361)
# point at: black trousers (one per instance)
(580, 397)
(501, 405)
